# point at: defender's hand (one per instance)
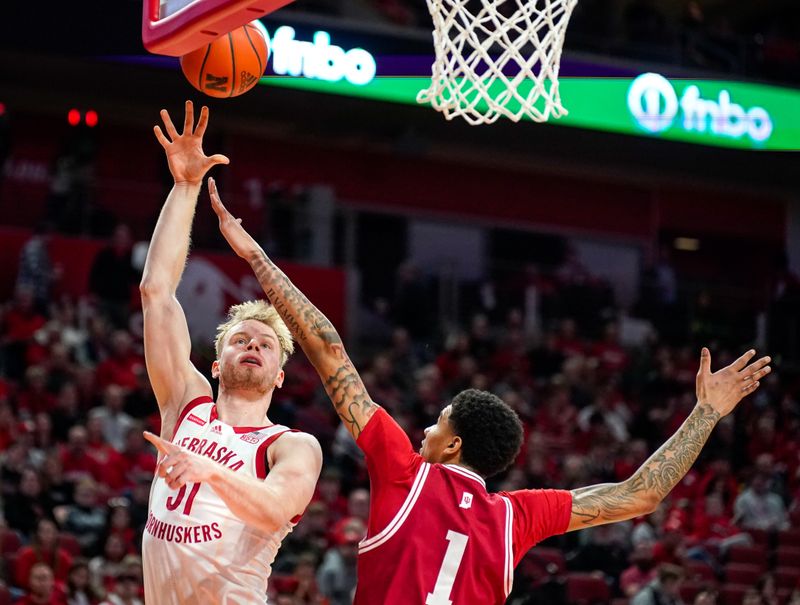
(725, 388)
(187, 161)
(231, 228)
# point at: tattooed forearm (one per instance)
(301, 317)
(321, 343)
(652, 481)
(350, 398)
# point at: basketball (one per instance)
(231, 65)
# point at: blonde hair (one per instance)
(262, 311)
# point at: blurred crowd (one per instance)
(597, 393)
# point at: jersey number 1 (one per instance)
(447, 572)
(174, 502)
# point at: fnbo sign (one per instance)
(319, 59)
(657, 105)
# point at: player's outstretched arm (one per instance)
(311, 329)
(268, 504)
(718, 394)
(166, 335)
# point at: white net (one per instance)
(497, 58)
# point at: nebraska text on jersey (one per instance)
(196, 551)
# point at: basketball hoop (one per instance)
(497, 58)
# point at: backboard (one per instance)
(176, 27)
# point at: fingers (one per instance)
(173, 134)
(757, 375)
(176, 482)
(162, 445)
(218, 158)
(743, 360)
(175, 474)
(705, 361)
(216, 201)
(202, 123)
(756, 365)
(188, 118)
(750, 387)
(160, 136)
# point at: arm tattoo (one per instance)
(349, 396)
(654, 479)
(318, 339)
(303, 319)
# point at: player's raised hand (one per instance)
(725, 388)
(178, 466)
(187, 161)
(231, 228)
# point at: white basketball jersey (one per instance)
(195, 550)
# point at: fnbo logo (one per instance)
(320, 59)
(655, 104)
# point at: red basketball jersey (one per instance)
(436, 536)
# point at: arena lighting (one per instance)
(91, 118)
(74, 117)
(687, 244)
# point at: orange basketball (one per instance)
(231, 65)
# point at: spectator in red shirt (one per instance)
(611, 357)
(568, 343)
(34, 397)
(712, 523)
(671, 548)
(764, 437)
(329, 491)
(304, 590)
(719, 480)
(456, 347)
(123, 365)
(137, 457)
(20, 323)
(110, 463)
(120, 523)
(43, 549)
(76, 461)
(641, 572)
(43, 589)
(128, 586)
(7, 425)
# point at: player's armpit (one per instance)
(607, 503)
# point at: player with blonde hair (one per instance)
(230, 484)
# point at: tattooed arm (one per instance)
(311, 329)
(717, 395)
